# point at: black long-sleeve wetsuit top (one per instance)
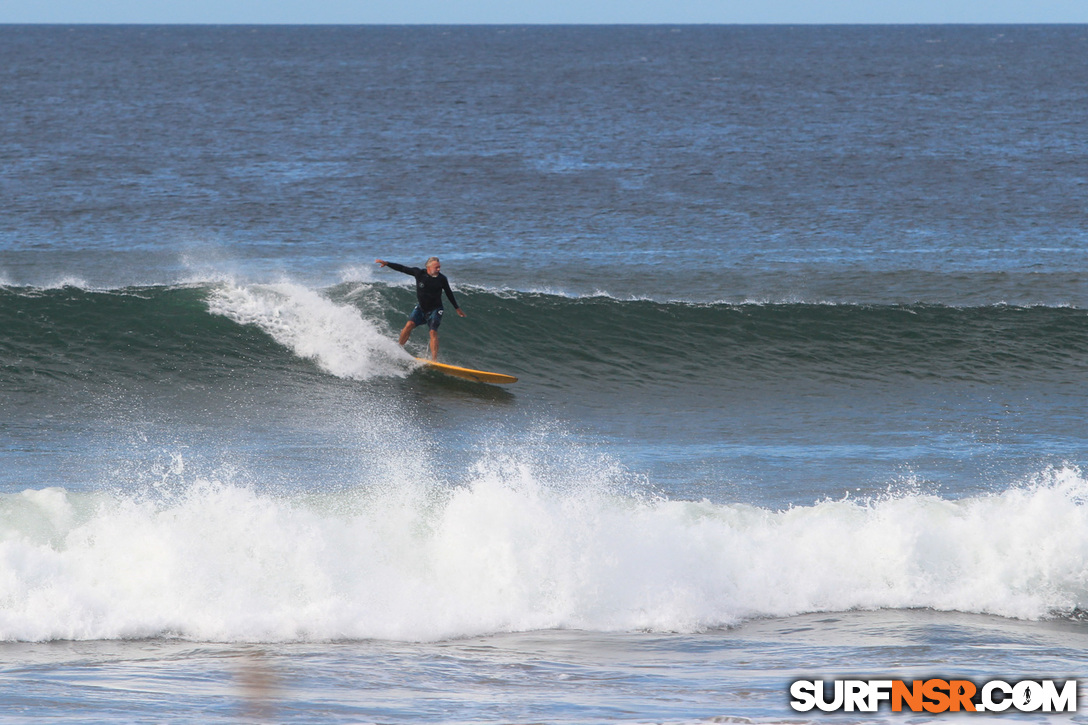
(428, 289)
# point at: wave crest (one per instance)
(336, 336)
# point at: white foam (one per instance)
(335, 336)
(513, 551)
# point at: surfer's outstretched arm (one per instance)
(400, 267)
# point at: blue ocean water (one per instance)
(798, 315)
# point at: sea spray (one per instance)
(336, 336)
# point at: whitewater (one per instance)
(510, 551)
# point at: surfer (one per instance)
(430, 284)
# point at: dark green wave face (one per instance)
(643, 341)
(157, 333)
(148, 334)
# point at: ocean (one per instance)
(798, 316)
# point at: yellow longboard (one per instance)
(480, 376)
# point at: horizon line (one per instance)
(544, 24)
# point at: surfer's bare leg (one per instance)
(434, 345)
(406, 332)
